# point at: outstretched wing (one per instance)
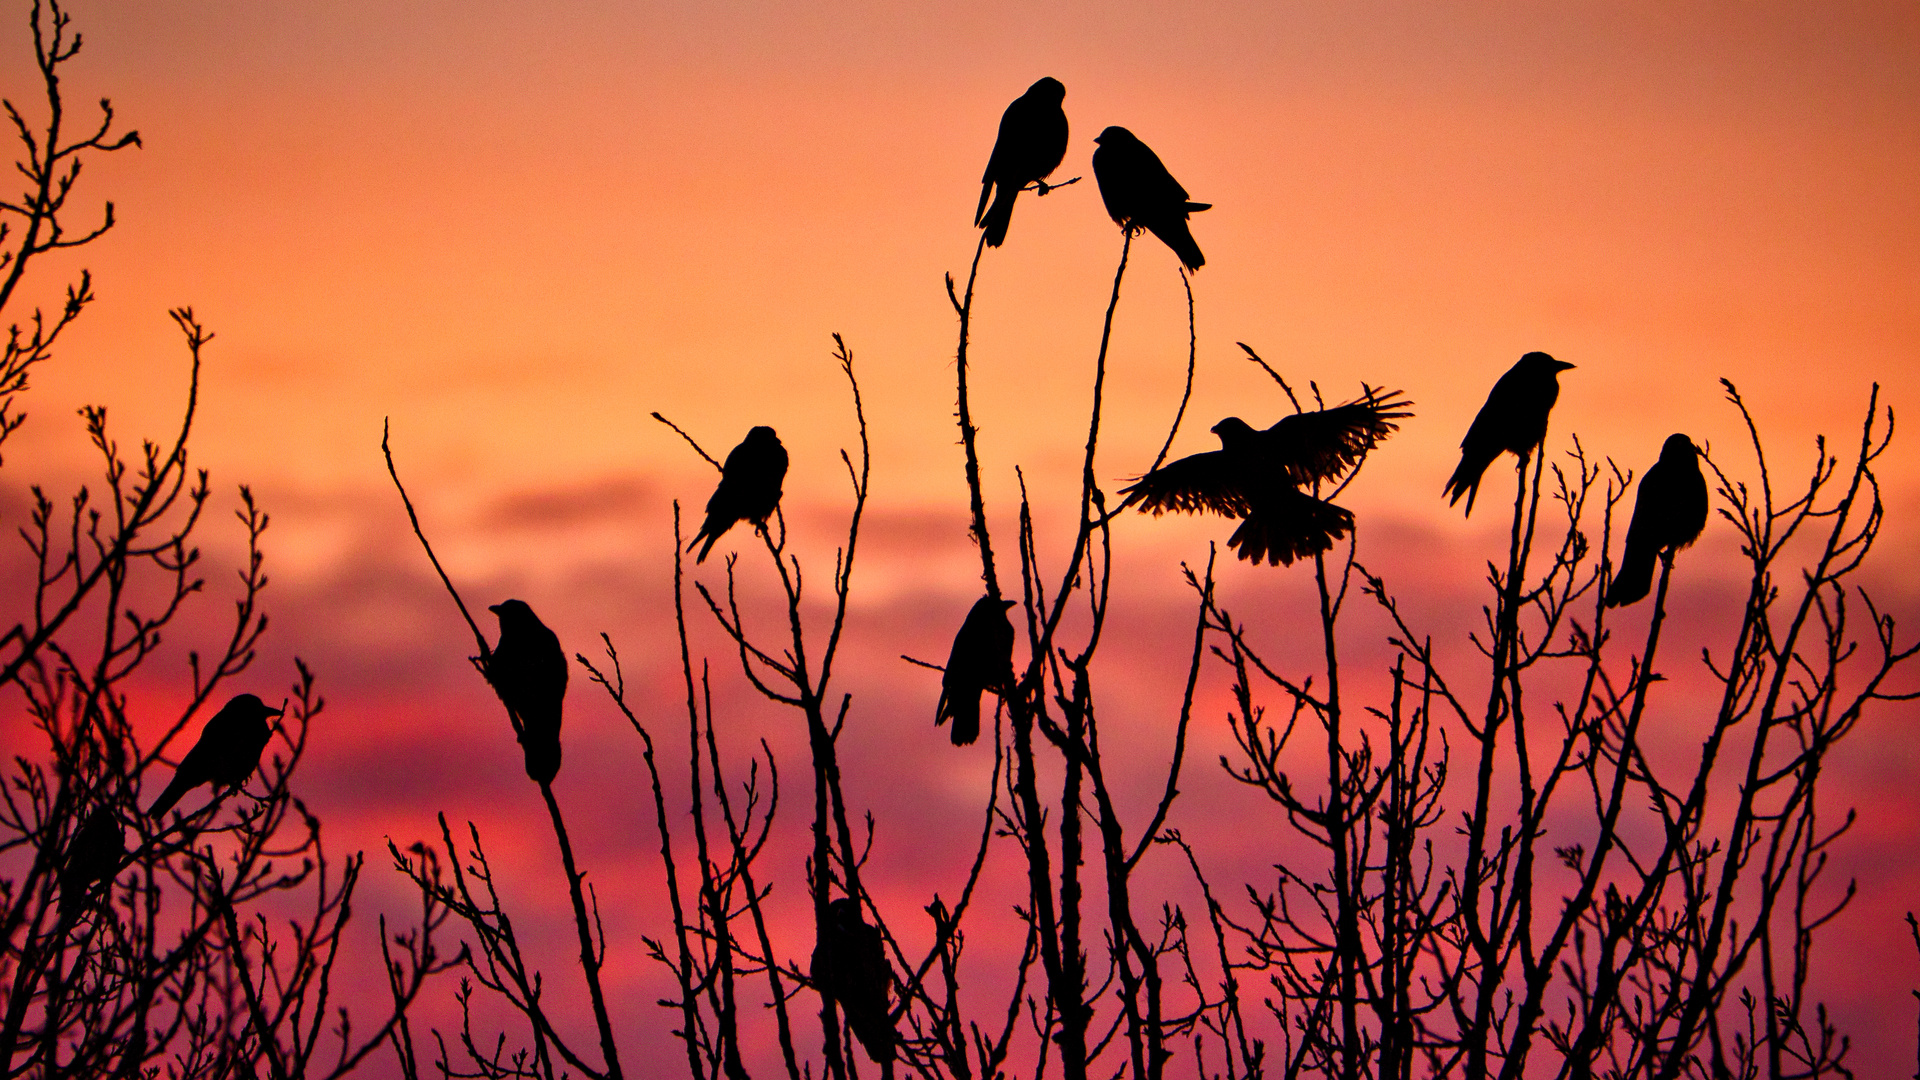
(1320, 445)
(1202, 483)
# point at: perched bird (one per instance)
(93, 856)
(1514, 418)
(1141, 194)
(1031, 144)
(1257, 476)
(1668, 514)
(529, 672)
(982, 659)
(227, 753)
(850, 969)
(749, 487)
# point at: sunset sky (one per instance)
(518, 229)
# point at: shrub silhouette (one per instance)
(1502, 880)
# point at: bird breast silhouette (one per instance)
(1669, 513)
(1514, 419)
(981, 660)
(850, 968)
(749, 488)
(528, 669)
(1031, 144)
(1141, 194)
(226, 754)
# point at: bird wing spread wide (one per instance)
(1322, 444)
(1200, 483)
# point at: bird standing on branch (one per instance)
(93, 856)
(850, 969)
(1514, 419)
(1668, 514)
(1141, 194)
(1031, 144)
(227, 753)
(749, 488)
(529, 672)
(981, 660)
(1257, 476)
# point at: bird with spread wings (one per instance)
(1259, 476)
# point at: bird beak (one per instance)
(281, 711)
(1006, 603)
(1562, 365)
(495, 608)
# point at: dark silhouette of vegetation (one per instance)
(1505, 882)
(1501, 878)
(132, 945)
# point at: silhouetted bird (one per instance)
(1031, 144)
(982, 659)
(749, 487)
(529, 672)
(1141, 194)
(1668, 514)
(850, 968)
(1258, 475)
(93, 856)
(1514, 419)
(227, 753)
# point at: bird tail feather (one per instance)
(1634, 578)
(1000, 215)
(172, 794)
(1304, 527)
(1465, 481)
(708, 546)
(964, 710)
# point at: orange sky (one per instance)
(517, 229)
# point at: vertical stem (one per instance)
(1347, 954)
(968, 431)
(1482, 935)
(588, 959)
(1071, 994)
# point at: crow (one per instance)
(982, 659)
(749, 488)
(1668, 514)
(93, 856)
(850, 969)
(227, 754)
(1031, 144)
(1257, 476)
(1514, 418)
(528, 670)
(1141, 194)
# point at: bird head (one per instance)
(845, 912)
(1116, 135)
(513, 611)
(251, 704)
(1232, 430)
(1542, 360)
(1048, 88)
(763, 434)
(1678, 448)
